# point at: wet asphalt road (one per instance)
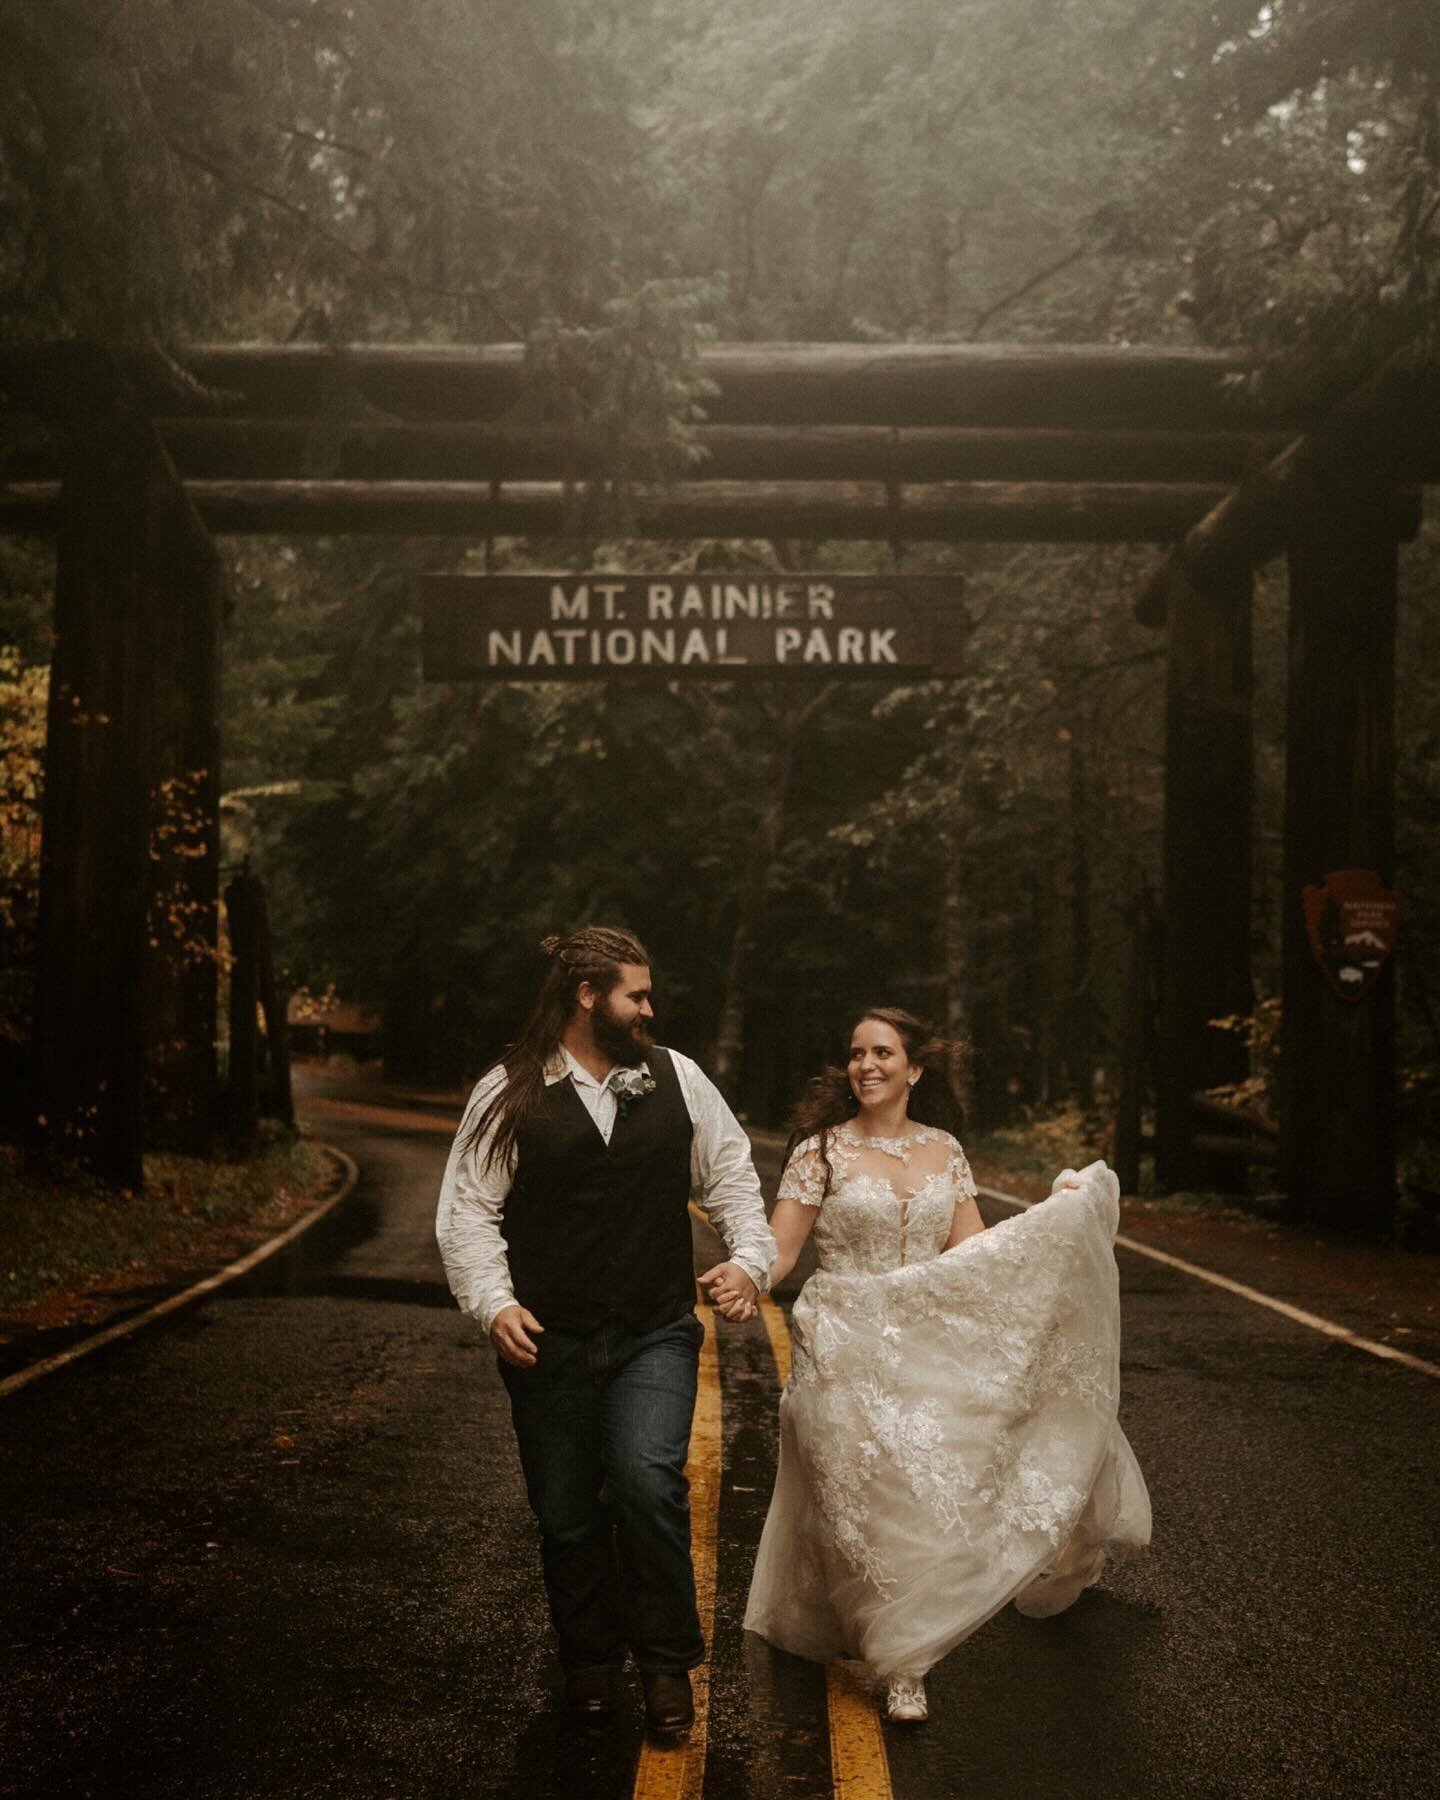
(278, 1546)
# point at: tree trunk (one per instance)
(1033, 979)
(754, 889)
(1079, 1032)
(1338, 1113)
(957, 945)
(408, 1029)
(242, 1110)
(957, 933)
(1135, 1049)
(278, 1101)
(1206, 852)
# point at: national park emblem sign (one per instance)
(1352, 922)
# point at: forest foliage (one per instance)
(614, 182)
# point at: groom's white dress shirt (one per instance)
(472, 1196)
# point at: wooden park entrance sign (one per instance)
(886, 444)
(716, 626)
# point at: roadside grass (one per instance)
(1036, 1149)
(64, 1233)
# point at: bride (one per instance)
(948, 1435)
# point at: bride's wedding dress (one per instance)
(948, 1436)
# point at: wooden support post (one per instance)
(180, 973)
(242, 1110)
(95, 870)
(130, 831)
(1208, 786)
(1338, 1105)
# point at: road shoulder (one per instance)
(170, 1251)
(1391, 1296)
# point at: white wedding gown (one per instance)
(948, 1435)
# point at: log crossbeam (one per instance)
(997, 512)
(1064, 385)
(1082, 386)
(447, 450)
(899, 442)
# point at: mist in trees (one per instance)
(616, 184)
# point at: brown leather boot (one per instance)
(590, 1693)
(669, 1704)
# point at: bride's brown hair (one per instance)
(828, 1101)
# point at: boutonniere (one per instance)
(630, 1085)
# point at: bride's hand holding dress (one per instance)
(948, 1436)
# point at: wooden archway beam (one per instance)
(941, 512)
(1376, 440)
(1060, 386)
(448, 450)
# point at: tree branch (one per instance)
(229, 178)
(803, 714)
(1026, 287)
(326, 143)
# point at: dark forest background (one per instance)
(617, 184)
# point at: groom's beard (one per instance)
(624, 1044)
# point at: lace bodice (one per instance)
(891, 1200)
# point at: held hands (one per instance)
(515, 1328)
(732, 1293)
(511, 1334)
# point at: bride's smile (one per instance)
(881, 1074)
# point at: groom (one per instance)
(584, 1147)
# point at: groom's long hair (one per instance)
(828, 1100)
(593, 954)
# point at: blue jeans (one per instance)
(603, 1423)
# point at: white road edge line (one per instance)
(241, 1266)
(1327, 1327)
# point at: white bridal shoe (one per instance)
(905, 1700)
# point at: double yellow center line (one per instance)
(858, 1766)
(677, 1771)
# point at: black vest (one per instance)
(596, 1231)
